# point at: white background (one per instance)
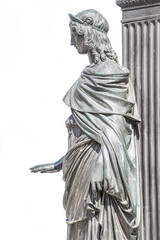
(37, 67)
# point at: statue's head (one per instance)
(89, 32)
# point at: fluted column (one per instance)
(141, 54)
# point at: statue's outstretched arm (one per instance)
(49, 167)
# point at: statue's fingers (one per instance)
(34, 170)
(39, 170)
(43, 171)
(36, 166)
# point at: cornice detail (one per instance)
(132, 3)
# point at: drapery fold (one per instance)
(103, 106)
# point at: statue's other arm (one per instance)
(49, 167)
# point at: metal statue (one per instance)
(101, 169)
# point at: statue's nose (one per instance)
(73, 42)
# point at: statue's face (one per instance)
(78, 42)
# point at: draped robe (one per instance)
(103, 106)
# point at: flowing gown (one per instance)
(103, 125)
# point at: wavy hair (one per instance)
(95, 35)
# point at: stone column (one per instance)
(141, 54)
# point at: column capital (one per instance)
(134, 3)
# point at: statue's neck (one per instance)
(91, 58)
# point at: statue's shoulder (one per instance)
(108, 67)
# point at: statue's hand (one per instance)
(97, 177)
(44, 168)
(49, 167)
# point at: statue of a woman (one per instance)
(101, 168)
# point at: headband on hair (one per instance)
(87, 22)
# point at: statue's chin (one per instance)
(81, 52)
